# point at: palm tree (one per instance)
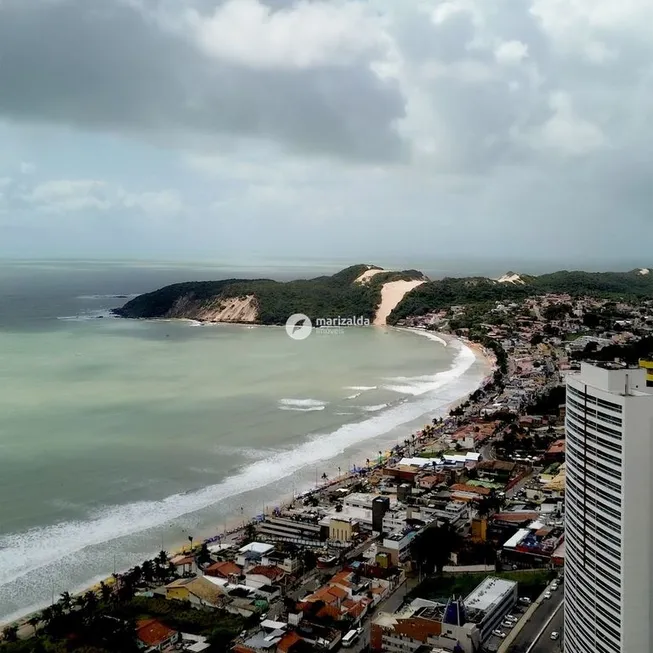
(10, 634)
(66, 601)
(147, 570)
(91, 601)
(34, 621)
(162, 559)
(46, 615)
(105, 591)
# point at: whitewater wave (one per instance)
(286, 404)
(373, 409)
(299, 409)
(354, 396)
(419, 385)
(427, 334)
(362, 388)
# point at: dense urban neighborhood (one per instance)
(453, 541)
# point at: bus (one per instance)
(349, 639)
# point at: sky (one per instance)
(361, 129)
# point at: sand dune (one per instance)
(367, 275)
(391, 294)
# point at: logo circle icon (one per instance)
(299, 326)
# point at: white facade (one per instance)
(609, 512)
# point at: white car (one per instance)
(555, 635)
(547, 595)
(511, 619)
(554, 586)
(507, 624)
(498, 633)
(525, 600)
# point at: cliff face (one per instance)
(229, 309)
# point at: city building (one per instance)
(491, 601)
(648, 366)
(608, 549)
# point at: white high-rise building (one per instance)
(609, 512)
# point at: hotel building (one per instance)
(609, 511)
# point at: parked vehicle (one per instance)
(525, 600)
(547, 595)
(499, 633)
(555, 635)
(507, 624)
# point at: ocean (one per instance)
(119, 438)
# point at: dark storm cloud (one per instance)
(110, 66)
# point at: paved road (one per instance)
(545, 644)
(534, 637)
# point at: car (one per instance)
(554, 587)
(498, 633)
(555, 635)
(525, 600)
(512, 618)
(507, 624)
(547, 595)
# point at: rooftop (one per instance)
(489, 592)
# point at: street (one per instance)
(535, 636)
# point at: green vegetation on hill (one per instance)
(447, 292)
(322, 297)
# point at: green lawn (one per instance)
(531, 583)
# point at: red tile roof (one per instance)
(153, 633)
(223, 569)
(557, 447)
(269, 571)
(462, 487)
(288, 641)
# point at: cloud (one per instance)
(508, 122)
(185, 79)
(303, 36)
(511, 52)
(91, 195)
(67, 195)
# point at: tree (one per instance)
(34, 621)
(433, 547)
(10, 634)
(105, 591)
(249, 532)
(66, 601)
(147, 569)
(309, 559)
(203, 556)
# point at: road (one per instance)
(535, 637)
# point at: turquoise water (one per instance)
(118, 437)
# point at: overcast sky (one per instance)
(364, 128)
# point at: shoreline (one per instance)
(234, 524)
